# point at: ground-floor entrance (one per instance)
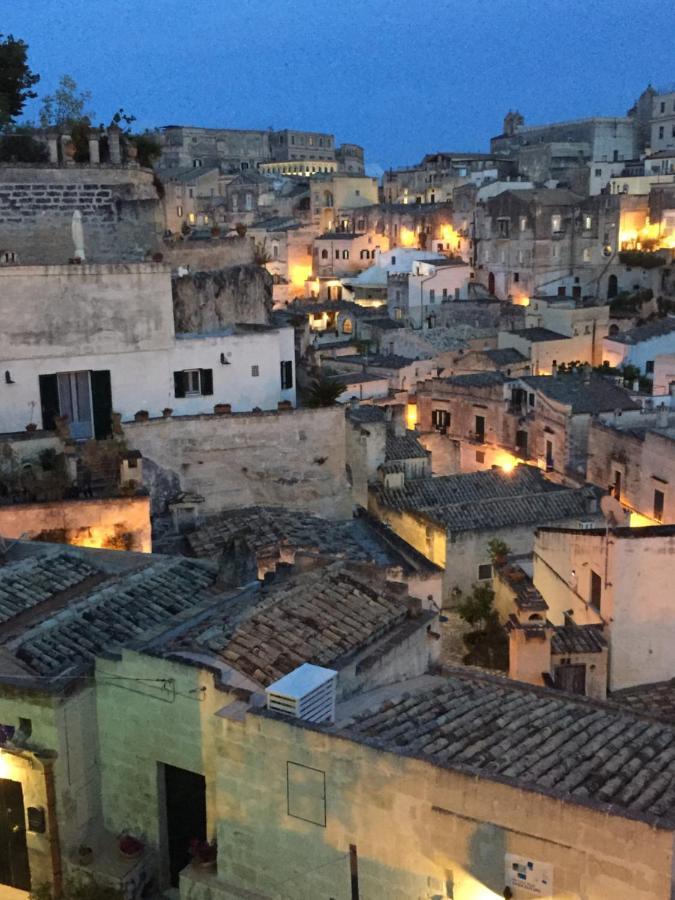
(14, 868)
(185, 797)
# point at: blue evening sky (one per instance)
(400, 78)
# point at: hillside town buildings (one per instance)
(336, 516)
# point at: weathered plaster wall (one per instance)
(119, 523)
(206, 301)
(208, 255)
(121, 212)
(293, 458)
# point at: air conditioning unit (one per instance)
(307, 692)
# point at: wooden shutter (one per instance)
(179, 384)
(101, 398)
(206, 380)
(49, 400)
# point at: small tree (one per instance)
(477, 607)
(16, 79)
(498, 550)
(241, 229)
(66, 106)
(323, 391)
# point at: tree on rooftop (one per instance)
(16, 79)
(66, 106)
(323, 391)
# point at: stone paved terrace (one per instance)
(579, 750)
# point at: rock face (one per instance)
(208, 301)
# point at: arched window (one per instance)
(345, 254)
(324, 254)
(327, 198)
(347, 326)
(365, 254)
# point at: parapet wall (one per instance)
(121, 212)
(294, 458)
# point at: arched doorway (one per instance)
(612, 286)
(491, 283)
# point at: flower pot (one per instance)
(167, 412)
(31, 426)
(157, 257)
(141, 416)
(222, 409)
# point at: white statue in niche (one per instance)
(78, 235)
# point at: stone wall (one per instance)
(217, 253)
(294, 458)
(120, 523)
(207, 301)
(121, 212)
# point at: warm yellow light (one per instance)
(407, 237)
(638, 520)
(521, 301)
(450, 236)
(299, 274)
(411, 416)
(506, 461)
(5, 764)
(648, 237)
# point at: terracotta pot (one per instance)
(167, 411)
(222, 409)
(141, 416)
(31, 426)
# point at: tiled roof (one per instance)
(263, 528)
(577, 639)
(404, 446)
(594, 394)
(26, 584)
(536, 334)
(504, 357)
(107, 618)
(317, 617)
(478, 379)
(476, 500)
(389, 361)
(357, 377)
(383, 323)
(656, 699)
(366, 414)
(579, 750)
(647, 332)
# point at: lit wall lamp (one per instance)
(223, 360)
(8, 377)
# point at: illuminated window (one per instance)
(191, 218)
(179, 212)
(556, 223)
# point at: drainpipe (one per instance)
(52, 826)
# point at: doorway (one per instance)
(185, 794)
(14, 868)
(521, 444)
(491, 283)
(612, 286)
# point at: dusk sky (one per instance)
(401, 79)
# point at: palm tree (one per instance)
(323, 391)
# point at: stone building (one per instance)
(641, 346)
(632, 455)
(416, 296)
(84, 341)
(288, 245)
(437, 176)
(451, 518)
(619, 578)
(663, 122)
(121, 212)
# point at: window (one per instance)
(530, 399)
(480, 456)
(503, 226)
(598, 173)
(249, 201)
(480, 428)
(286, 374)
(661, 131)
(398, 313)
(345, 254)
(522, 223)
(179, 212)
(556, 223)
(393, 260)
(324, 254)
(596, 591)
(485, 572)
(337, 254)
(358, 193)
(649, 367)
(191, 193)
(663, 107)
(659, 498)
(275, 250)
(516, 277)
(347, 326)
(445, 293)
(193, 383)
(255, 371)
(588, 222)
(440, 418)
(432, 296)
(587, 254)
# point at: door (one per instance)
(14, 869)
(75, 403)
(612, 286)
(185, 815)
(480, 429)
(571, 678)
(521, 444)
(617, 484)
(549, 455)
(491, 283)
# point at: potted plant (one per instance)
(157, 257)
(84, 855)
(222, 409)
(204, 853)
(31, 426)
(130, 847)
(499, 551)
(142, 415)
(167, 411)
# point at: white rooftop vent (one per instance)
(307, 692)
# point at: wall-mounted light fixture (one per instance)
(8, 377)
(223, 360)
